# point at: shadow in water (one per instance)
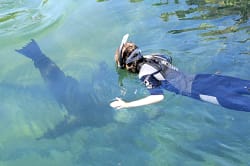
(82, 105)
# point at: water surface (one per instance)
(207, 36)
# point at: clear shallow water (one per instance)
(205, 37)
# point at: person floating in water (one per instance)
(82, 105)
(157, 73)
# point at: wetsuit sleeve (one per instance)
(152, 84)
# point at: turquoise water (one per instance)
(205, 36)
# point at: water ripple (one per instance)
(21, 17)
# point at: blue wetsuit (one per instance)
(229, 92)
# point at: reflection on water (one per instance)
(208, 10)
(215, 9)
(211, 9)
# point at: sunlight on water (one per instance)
(79, 127)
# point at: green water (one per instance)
(202, 36)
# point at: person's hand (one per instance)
(118, 103)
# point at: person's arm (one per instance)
(146, 75)
(119, 103)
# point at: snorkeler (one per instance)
(157, 73)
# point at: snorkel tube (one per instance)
(124, 40)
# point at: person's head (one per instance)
(127, 56)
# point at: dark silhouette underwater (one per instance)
(80, 102)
